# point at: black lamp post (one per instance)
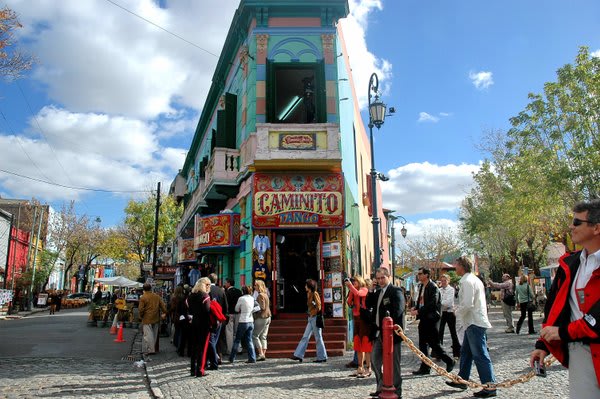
(403, 231)
(376, 118)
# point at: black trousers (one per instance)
(429, 338)
(524, 310)
(450, 319)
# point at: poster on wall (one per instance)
(327, 295)
(217, 231)
(338, 309)
(306, 200)
(337, 294)
(336, 279)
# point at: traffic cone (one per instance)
(113, 327)
(120, 334)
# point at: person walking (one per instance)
(428, 311)
(245, 306)
(198, 304)
(357, 299)
(448, 316)
(177, 318)
(471, 316)
(313, 301)
(387, 299)
(525, 299)
(151, 309)
(570, 329)
(233, 294)
(216, 294)
(507, 295)
(262, 321)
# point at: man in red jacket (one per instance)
(571, 329)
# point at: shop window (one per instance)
(296, 93)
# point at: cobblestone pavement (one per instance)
(281, 378)
(70, 378)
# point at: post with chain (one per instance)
(388, 391)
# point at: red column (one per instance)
(388, 391)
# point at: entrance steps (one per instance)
(286, 331)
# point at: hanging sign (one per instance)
(185, 247)
(298, 200)
(217, 231)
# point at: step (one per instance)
(296, 335)
(291, 345)
(310, 353)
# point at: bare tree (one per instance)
(12, 61)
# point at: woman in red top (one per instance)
(356, 300)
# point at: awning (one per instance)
(119, 281)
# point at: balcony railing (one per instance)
(296, 145)
(221, 173)
(196, 201)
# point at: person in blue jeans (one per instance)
(471, 316)
(313, 301)
(244, 306)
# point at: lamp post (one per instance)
(403, 231)
(376, 118)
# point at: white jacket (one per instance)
(245, 305)
(472, 308)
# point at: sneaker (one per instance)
(509, 330)
(261, 359)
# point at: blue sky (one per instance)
(113, 101)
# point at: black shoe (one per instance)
(450, 365)
(320, 361)
(375, 394)
(456, 385)
(421, 372)
(250, 361)
(294, 357)
(484, 394)
(212, 367)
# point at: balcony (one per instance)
(295, 147)
(221, 174)
(196, 201)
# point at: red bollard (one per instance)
(388, 391)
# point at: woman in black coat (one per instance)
(199, 310)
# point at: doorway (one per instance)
(297, 262)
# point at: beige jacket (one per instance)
(263, 302)
(150, 305)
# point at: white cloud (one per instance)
(419, 188)
(362, 61)
(595, 53)
(425, 117)
(481, 80)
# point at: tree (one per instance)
(138, 227)
(12, 61)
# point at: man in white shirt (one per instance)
(471, 316)
(571, 328)
(448, 316)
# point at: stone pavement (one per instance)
(281, 378)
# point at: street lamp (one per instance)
(376, 118)
(403, 231)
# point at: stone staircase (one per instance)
(286, 331)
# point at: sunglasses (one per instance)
(578, 222)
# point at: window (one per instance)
(296, 93)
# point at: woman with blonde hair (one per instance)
(524, 295)
(262, 320)
(357, 300)
(199, 310)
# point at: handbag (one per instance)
(366, 315)
(320, 322)
(509, 298)
(531, 305)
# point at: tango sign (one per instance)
(308, 200)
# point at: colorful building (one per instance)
(280, 160)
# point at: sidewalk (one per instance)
(282, 378)
(24, 313)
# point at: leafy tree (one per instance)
(12, 61)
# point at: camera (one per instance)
(540, 369)
(347, 280)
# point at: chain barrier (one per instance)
(455, 378)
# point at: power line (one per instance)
(75, 188)
(160, 27)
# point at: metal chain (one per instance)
(455, 378)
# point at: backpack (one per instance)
(216, 315)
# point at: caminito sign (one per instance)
(298, 200)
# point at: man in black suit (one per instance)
(429, 311)
(233, 294)
(216, 294)
(387, 298)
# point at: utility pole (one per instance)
(157, 213)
